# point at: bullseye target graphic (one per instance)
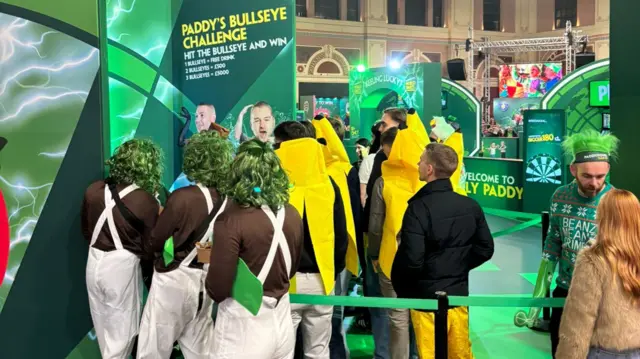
(544, 168)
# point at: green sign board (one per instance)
(544, 163)
(599, 94)
(499, 147)
(495, 183)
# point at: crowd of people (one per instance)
(289, 213)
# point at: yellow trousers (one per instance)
(457, 329)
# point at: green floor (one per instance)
(510, 273)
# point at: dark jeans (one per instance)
(554, 322)
(379, 316)
(597, 353)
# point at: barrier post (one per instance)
(440, 326)
(542, 325)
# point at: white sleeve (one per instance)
(365, 168)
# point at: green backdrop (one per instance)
(495, 183)
(148, 70)
(466, 108)
(624, 93)
(50, 115)
(415, 85)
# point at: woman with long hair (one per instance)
(255, 253)
(602, 314)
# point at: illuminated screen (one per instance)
(599, 93)
(528, 80)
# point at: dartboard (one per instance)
(544, 168)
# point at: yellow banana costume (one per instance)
(338, 167)
(447, 135)
(401, 182)
(311, 191)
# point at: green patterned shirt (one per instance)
(572, 225)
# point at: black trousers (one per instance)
(554, 322)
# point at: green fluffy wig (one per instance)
(207, 158)
(257, 178)
(590, 141)
(137, 162)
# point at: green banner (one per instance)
(495, 183)
(544, 161)
(230, 55)
(499, 147)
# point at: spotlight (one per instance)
(361, 68)
(394, 64)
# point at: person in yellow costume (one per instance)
(391, 192)
(443, 237)
(443, 132)
(331, 132)
(318, 201)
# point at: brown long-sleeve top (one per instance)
(185, 210)
(246, 233)
(597, 313)
(139, 202)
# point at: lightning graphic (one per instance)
(40, 84)
(53, 154)
(117, 10)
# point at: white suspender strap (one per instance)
(107, 215)
(278, 240)
(209, 233)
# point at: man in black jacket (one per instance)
(444, 236)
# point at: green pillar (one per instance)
(625, 95)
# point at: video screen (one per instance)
(528, 80)
(599, 93)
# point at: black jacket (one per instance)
(308, 263)
(444, 236)
(353, 181)
(376, 172)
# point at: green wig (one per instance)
(590, 146)
(207, 158)
(257, 178)
(139, 162)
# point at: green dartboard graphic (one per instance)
(544, 168)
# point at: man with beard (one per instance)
(262, 122)
(573, 220)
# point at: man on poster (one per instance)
(262, 122)
(573, 220)
(205, 121)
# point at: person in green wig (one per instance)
(177, 308)
(573, 220)
(118, 214)
(255, 253)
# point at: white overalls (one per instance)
(114, 284)
(171, 312)
(268, 335)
